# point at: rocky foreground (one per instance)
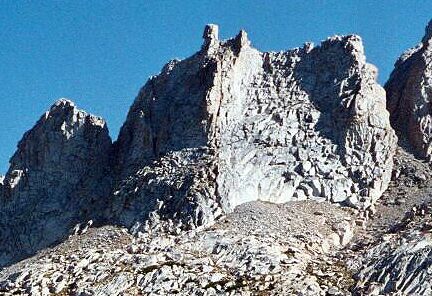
(237, 172)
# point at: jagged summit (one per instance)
(58, 177)
(232, 128)
(63, 102)
(67, 105)
(232, 124)
(225, 126)
(212, 43)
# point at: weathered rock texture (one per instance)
(260, 249)
(401, 263)
(231, 124)
(58, 177)
(409, 95)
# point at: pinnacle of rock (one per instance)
(210, 35)
(211, 32)
(242, 39)
(58, 177)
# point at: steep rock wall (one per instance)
(231, 124)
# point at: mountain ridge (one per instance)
(235, 166)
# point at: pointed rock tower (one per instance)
(58, 177)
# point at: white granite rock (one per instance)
(232, 124)
(260, 249)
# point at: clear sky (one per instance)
(99, 53)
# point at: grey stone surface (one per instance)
(58, 177)
(231, 124)
(409, 92)
(401, 262)
(260, 249)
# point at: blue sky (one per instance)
(99, 53)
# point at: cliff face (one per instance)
(58, 177)
(226, 126)
(231, 124)
(409, 92)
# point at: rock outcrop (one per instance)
(231, 127)
(231, 124)
(58, 177)
(409, 95)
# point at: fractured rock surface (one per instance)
(391, 255)
(409, 95)
(260, 249)
(231, 127)
(58, 177)
(401, 263)
(231, 124)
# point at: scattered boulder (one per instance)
(259, 249)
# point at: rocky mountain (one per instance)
(236, 172)
(58, 177)
(231, 125)
(409, 92)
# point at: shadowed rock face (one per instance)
(409, 95)
(58, 177)
(231, 124)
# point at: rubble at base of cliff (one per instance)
(260, 248)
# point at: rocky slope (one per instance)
(58, 177)
(409, 92)
(259, 249)
(391, 255)
(231, 124)
(296, 248)
(402, 261)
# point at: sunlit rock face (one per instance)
(232, 124)
(58, 177)
(409, 95)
